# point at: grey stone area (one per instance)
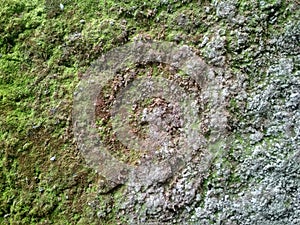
(253, 173)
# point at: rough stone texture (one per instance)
(254, 178)
(241, 166)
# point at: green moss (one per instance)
(44, 50)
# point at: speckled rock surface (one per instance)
(221, 147)
(253, 174)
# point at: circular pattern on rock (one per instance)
(102, 71)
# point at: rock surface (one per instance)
(242, 165)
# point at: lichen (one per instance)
(253, 50)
